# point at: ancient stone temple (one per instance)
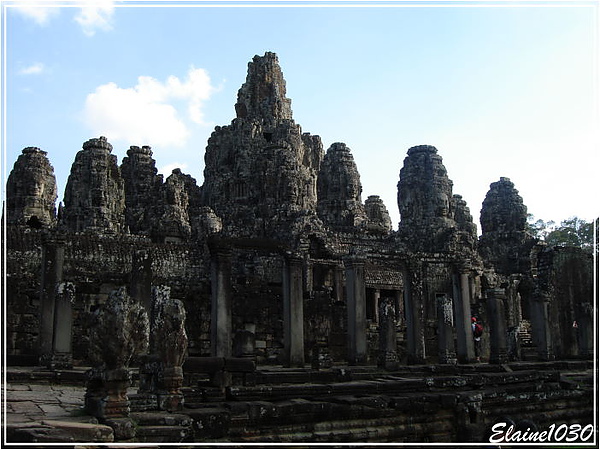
(274, 286)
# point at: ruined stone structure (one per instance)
(31, 191)
(276, 260)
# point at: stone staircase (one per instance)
(161, 427)
(417, 404)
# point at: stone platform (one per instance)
(427, 403)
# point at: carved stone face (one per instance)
(442, 205)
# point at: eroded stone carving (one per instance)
(378, 217)
(170, 344)
(142, 184)
(120, 331)
(339, 191)
(179, 200)
(261, 171)
(94, 196)
(31, 190)
(431, 217)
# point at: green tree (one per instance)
(573, 232)
(539, 228)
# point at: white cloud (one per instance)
(34, 69)
(196, 89)
(41, 15)
(148, 114)
(96, 15)
(92, 16)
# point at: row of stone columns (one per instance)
(57, 297)
(293, 308)
(452, 315)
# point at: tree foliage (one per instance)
(573, 232)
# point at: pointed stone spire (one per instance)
(31, 190)
(260, 174)
(339, 190)
(262, 96)
(94, 196)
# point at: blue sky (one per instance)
(501, 89)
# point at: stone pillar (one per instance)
(338, 280)
(465, 347)
(585, 329)
(399, 307)
(220, 324)
(415, 321)
(497, 323)
(357, 314)
(53, 256)
(62, 356)
(540, 326)
(447, 352)
(293, 312)
(388, 353)
(140, 287)
(376, 298)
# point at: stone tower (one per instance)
(503, 209)
(261, 171)
(31, 190)
(432, 218)
(95, 196)
(424, 189)
(425, 200)
(339, 190)
(142, 184)
(178, 208)
(505, 243)
(379, 220)
(464, 222)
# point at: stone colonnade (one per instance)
(454, 311)
(454, 314)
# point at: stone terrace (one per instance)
(421, 403)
